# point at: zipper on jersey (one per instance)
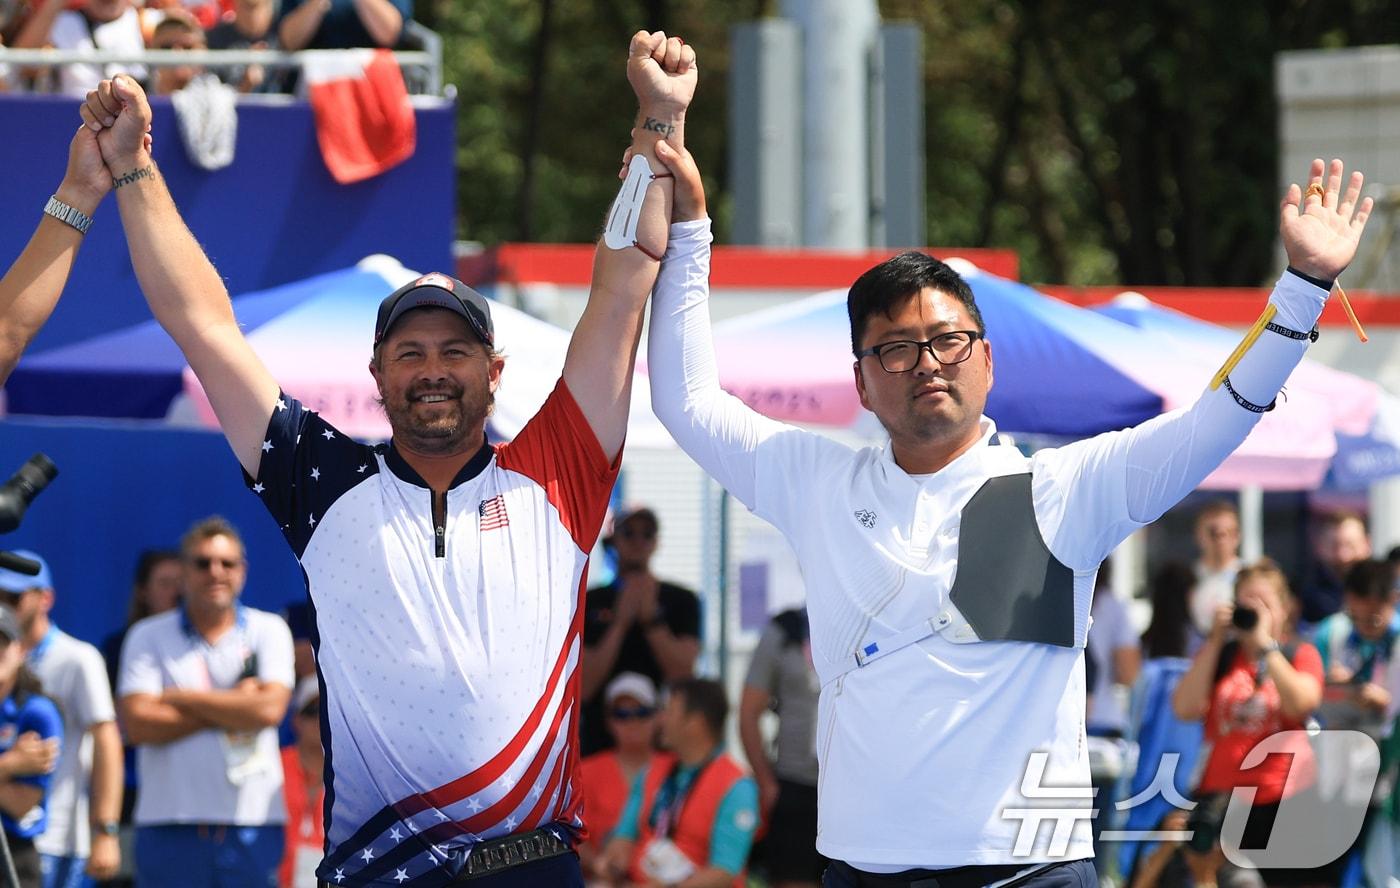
(440, 524)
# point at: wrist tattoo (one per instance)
(146, 172)
(656, 126)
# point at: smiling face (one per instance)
(437, 381)
(932, 405)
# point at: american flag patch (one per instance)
(492, 513)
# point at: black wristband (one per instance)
(1248, 405)
(1292, 334)
(1316, 282)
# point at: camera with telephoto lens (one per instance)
(1244, 618)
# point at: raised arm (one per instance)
(714, 428)
(603, 350)
(184, 291)
(1118, 482)
(30, 289)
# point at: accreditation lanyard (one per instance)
(671, 797)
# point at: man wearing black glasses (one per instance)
(949, 577)
(202, 690)
(637, 623)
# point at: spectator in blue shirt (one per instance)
(31, 733)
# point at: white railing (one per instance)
(422, 68)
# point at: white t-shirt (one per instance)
(71, 31)
(210, 776)
(923, 752)
(75, 677)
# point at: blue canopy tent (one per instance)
(1053, 372)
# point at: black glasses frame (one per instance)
(878, 351)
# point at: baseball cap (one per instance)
(436, 290)
(627, 512)
(14, 582)
(630, 684)
(9, 624)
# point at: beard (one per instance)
(441, 428)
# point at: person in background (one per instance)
(155, 589)
(1248, 685)
(607, 777)
(781, 678)
(156, 586)
(85, 797)
(31, 734)
(1339, 541)
(1169, 634)
(637, 623)
(690, 825)
(1114, 644)
(201, 692)
(1218, 544)
(178, 30)
(303, 764)
(250, 28)
(1358, 646)
(97, 24)
(342, 24)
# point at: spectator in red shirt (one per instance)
(1249, 683)
(302, 764)
(607, 777)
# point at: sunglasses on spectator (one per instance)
(638, 533)
(226, 563)
(630, 713)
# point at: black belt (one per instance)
(495, 855)
(956, 877)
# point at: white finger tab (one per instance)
(621, 230)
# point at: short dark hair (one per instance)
(706, 697)
(213, 526)
(1370, 580)
(884, 287)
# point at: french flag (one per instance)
(364, 120)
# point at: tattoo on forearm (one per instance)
(656, 126)
(146, 172)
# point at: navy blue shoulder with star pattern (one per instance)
(306, 465)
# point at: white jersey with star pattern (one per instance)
(448, 655)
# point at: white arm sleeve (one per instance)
(713, 427)
(1094, 493)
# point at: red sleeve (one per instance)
(558, 451)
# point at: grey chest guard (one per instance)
(1008, 586)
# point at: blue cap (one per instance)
(15, 582)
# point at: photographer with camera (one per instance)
(1251, 679)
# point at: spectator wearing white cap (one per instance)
(31, 733)
(303, 763)
(607, 777)
(636, 623)
(85, 798)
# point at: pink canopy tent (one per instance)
(1060, 371)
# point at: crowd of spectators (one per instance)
(200, 685)
(131, 26)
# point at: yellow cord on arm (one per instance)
(1245, 345)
